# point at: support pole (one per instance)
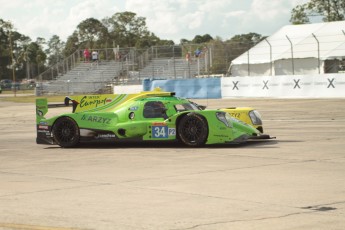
(292, 59)
(248, 62)
(318, 51)
(271, 63)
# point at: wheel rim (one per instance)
(192, 130)
(66, 132)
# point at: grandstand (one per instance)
(79, 77)
(171, 68)
(85, 77)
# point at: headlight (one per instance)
(225, 118)
(255, 117)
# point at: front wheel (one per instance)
(192, 130)
(66, 132)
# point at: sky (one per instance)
(167, 19)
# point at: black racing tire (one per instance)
(192, 130)
(66, 132)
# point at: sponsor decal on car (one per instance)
(172, 132)
(162, 131)
(134, 108)
(236, 115)
(159, 123)
(47, 132)
(93, 101)
(96, 119)
(105, 136)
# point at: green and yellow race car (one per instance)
(146, 116)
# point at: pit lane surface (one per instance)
(293, 182)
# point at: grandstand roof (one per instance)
(304, 39)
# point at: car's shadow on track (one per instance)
(273, 143)
(249, 144)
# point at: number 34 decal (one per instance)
(162, 131)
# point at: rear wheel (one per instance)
(192, 130)
(66, 132)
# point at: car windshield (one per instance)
(186, 106)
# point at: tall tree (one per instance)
(220, 57)
(54, 50)
(34, 59)
(329, 10)
(184, 41)
(198, 39)
(72, 44)
(239, 44)
(152, 40)
(126, 29)
(41, 56)
(5, 58)
(14, 50)
(92, 33)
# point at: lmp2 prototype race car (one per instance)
(146, 116)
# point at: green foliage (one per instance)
(299, 15)
(18, 52)
(126, 29)
(230, 49)
(184, 41)
(329, 10)
(198, 39)
(54, 50)
(5, 59)
(239, 44)
(72, 44)
(122, 29)
(91, 33)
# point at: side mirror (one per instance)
(163, 111)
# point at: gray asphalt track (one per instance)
(294, 182)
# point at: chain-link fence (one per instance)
(284, 55)
(299, 50)
(168, 62)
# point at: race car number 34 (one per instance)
(162, 131)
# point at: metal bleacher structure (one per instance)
(117, 66)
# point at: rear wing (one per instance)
(42, 107)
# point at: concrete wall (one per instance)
(289, 86)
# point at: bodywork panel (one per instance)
(113, 117)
